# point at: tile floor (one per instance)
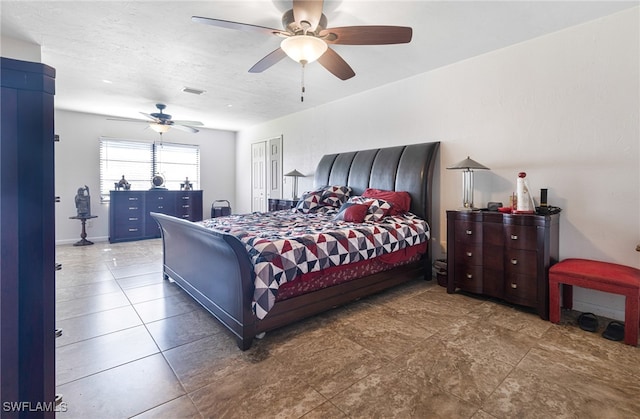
(134, 345)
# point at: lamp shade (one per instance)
(303, 48)
(294, 173)
(468, 164)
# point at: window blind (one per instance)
(176, 163)
(128, 158)
(139, 161)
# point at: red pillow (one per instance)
(401, 200)
(353, 213)
(356, 213)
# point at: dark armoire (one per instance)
(27, 251)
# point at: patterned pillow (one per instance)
(335, 196)
(377, 208)
(310, 202)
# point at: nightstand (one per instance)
(506, 256)
(277, 204)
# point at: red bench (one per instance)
(601, 276)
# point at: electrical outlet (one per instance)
(89, 223)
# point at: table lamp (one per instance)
(467, 166)
(295, 175)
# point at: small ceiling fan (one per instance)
(307, 38)
(161, 122)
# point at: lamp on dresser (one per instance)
(467, 166)
(295, 175)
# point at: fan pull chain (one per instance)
(302, 84)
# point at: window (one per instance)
(138, 161)
(176, 162)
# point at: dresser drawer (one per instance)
(518, 261)
(520, 237)
(126, 220)
(468, 232)
(125, 198)
(521, 289)
(161, 207)
(126, 211)
(469, 254)
(128, 231)
(469, 277)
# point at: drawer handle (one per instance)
(514, 237)
(185, 206)
(161, 197)
(469, 276)
(131, 198)
(185, 216)
(469, 254)
(469, 232)
(133, 229)
(133, 218)
(133, 208)
(160, 206)
(185, 197)
(514, 286)
(514, 261)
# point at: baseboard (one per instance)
(72, 241)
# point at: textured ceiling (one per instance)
(150, 50)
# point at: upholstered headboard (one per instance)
(401, 168)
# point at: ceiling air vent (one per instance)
(192, 90)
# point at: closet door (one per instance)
(27, 250)
(258, 176)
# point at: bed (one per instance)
(216, 269)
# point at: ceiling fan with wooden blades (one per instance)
(161, 122)
(307, 38)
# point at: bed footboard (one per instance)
(214, 268)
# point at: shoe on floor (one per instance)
(614, 331)
(588, 322)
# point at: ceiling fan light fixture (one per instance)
(160, 128)
(303, 48)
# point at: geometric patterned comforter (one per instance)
(285, 244)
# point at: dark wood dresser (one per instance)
(276, 204)
(506, 256)
(129, 217)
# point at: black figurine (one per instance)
(83, 202)
(123, 184)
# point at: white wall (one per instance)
(20, 50)
(77, 164)
(563, 107)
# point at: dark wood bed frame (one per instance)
(215, 269)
